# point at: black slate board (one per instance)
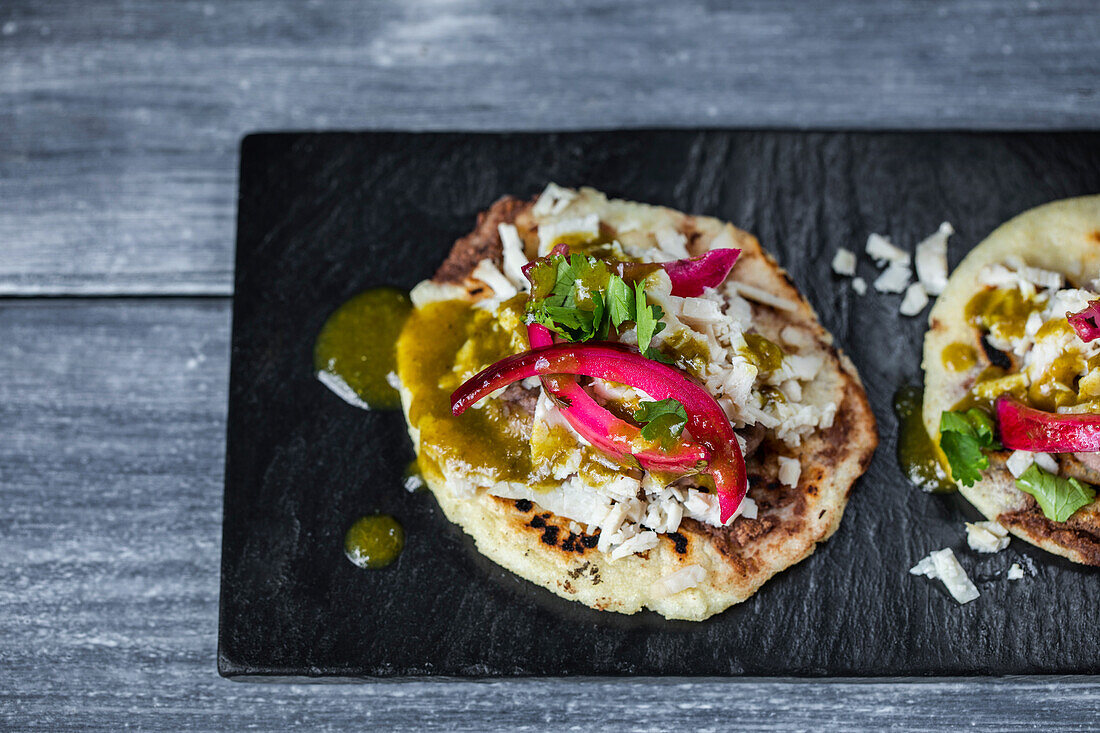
(324, 216)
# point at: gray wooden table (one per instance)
(119, 126)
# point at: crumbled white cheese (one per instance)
(1047, 462)
(697, 311)
(789, 471)
(547, 412)
(844, 262)
(341, 389)
(686, 577)
(1019, 461)
(514, 258)
(551, 232)
(413, 483)
(914, 301)
(1033, 324)
(748, 510)
(1042, 278)
(1000, 276)
(859, 285)
(393, 380)
(893, 279)
(986, 536)
(943, 565)
(488, 273)
(1014, 273)
(797, 337)
(1070, 300)
(638, 543)
(427, 291)
(705, 508)
(672, 242)
(760, 295)
(553, 200)
(931, 260)
(1015, 572)
(792, 390)
(882, 249)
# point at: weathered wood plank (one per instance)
(120, 120)
(112, 419)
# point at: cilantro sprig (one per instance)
(584, 300)
(662, 421)
(647, 318)
(1057, 496)
(964, 438)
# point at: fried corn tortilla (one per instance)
(1063, 237)
(695, 571)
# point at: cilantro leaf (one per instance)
(963, 435)
(1058, 497)
(563, 285)
(655, 355)
(663, 420)
(584, 300)
(964, 456)
(558, 309)
(620, 304)
(647, 318)
(600, 324)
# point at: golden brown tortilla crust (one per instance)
(741, 557)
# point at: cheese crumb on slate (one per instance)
(413, 483)
(882, 249)
(943, 565)
(844, 262)
(859, 285)
(914, 301)
(986, 536)
(931, 260)
(894, 278)
(1015, 572)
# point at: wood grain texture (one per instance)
(119, 126)
(111, 447)
(120, 120)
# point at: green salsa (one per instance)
(686, 351)
(918, 456)
(374, 541)
(355, 349)
(1002, 312)
(442, 345)
(762, 353)
(958, 357)
(1057, 386)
